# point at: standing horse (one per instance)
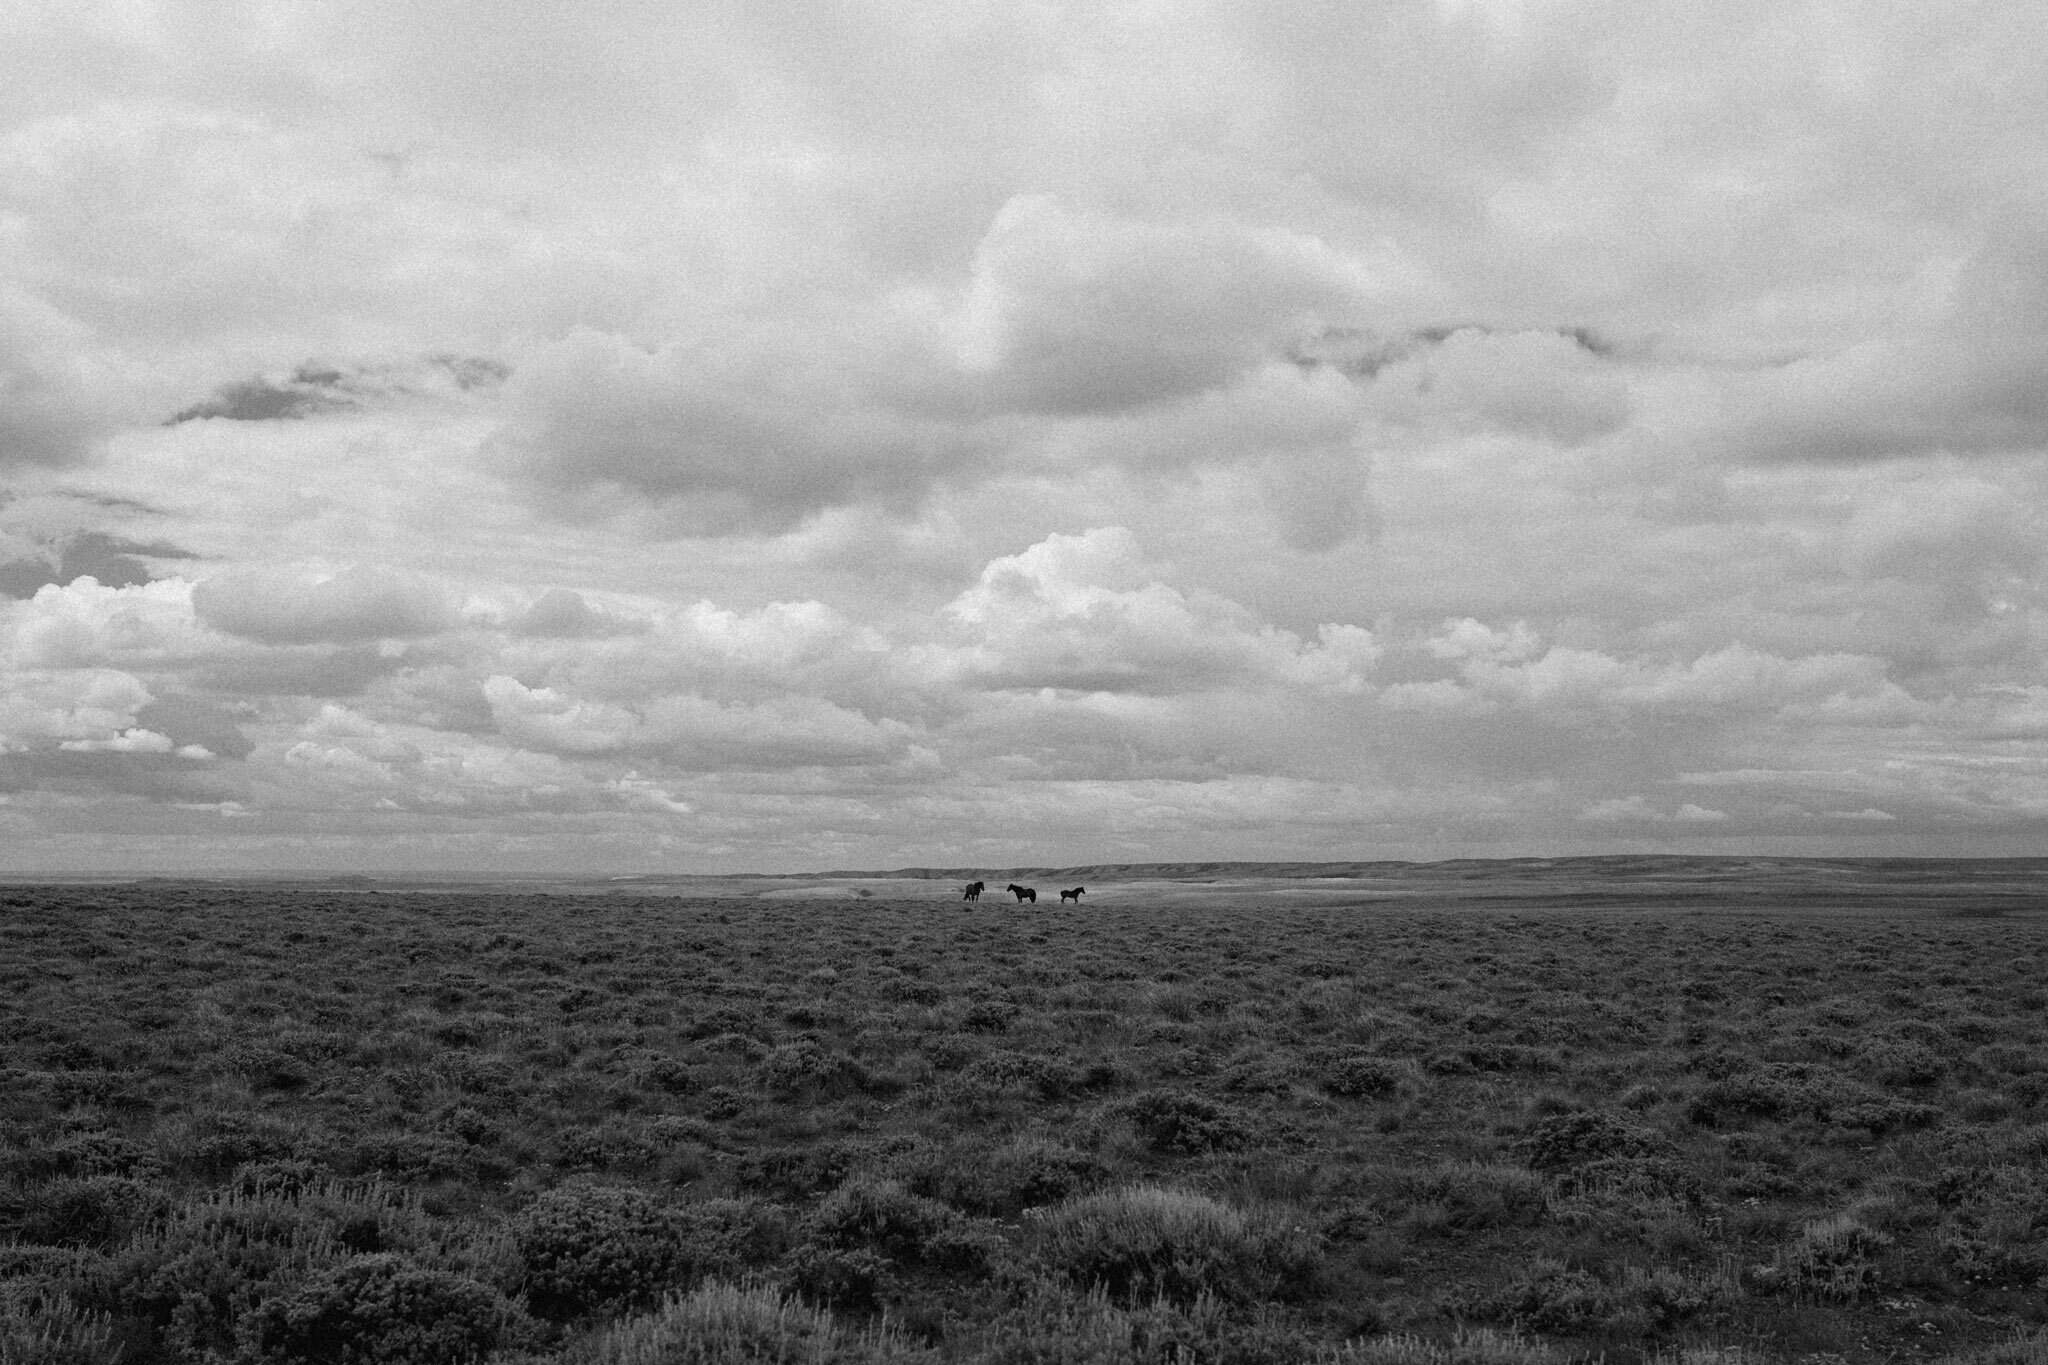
(974, 890)
(1074, 895)
(1023, 893)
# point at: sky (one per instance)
(626, 437)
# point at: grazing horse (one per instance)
(1023, 893)
(1074, 895)
(974, 890)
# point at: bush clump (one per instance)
(383, 1310)
(1144, 1242)
(808, 1067)
(1833, 1258)
(1174, 1121)
(1356, 1074)
(1002, 1181)
(41, 1326)
(589, 1249)
(1994, 1229)
(719, 1324)
(88, 1211)
(1477, 1195)
(1564, 1141)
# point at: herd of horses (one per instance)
(1022, 893)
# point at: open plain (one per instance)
(1506, 1111)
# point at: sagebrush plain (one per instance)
(1629, 1109)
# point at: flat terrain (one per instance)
(1487, 1111)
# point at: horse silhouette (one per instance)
(1023, 893)
(1074, 895)
(974, 890)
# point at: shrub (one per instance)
(1995, 1229)
(42, 1327)
(1174, 1121)
(1021, 1174)
(224, 1141)
(86, 1153)
(1146, 1242)
(1482, 1195)
(1774, 1091)
(382, 1310)
(1090, 1330)
(1898, 1062)
(606, 1147)
(1357, 1074)
(1563, 1141)
(989, 1016)
(797, 1172)
(719, 1324)
(92, 1211)
(1833, 1258)
(1470, 1346)
(906, 1229)
(808, 1067)
(725, 1238)
(1555, 1299)
(1020, 1073)
(1632, 1179)
(586, 1249)
(1490, 1057)
(192, 1279)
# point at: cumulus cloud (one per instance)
(58, 396)
(288, 607)
(725, 442)
(1070, 312)
(1498, 421)
(1083, 612)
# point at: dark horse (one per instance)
(1074, 895)
(974, 890)
(1023, 893)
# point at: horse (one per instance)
(1074, 895)
(1023, 893)
(974, 890)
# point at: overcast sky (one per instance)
(629, 435)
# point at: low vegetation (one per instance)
(295, 1126)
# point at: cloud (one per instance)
(294, 608)
(1070, 312)
(58, 398)
(1083, 612)
(112, 561)
(724, 443)
(1630, 810)
(694, 731)
(314, 388)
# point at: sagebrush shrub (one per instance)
(1146, 1242)
(1995, 1227)
(1833, 1258)
(1358, 1074)
(1562, 1141)
(1476, 1195)
(41, 1326)
(1557, 1300)
(88, 1211)
(586, 1249)
(1176, 1121)
(1003, 1180)
(1467, 1346)
(807, 1066)
(194, 1277)
(381, 1310)
(720, 1324)
(905, 1229)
